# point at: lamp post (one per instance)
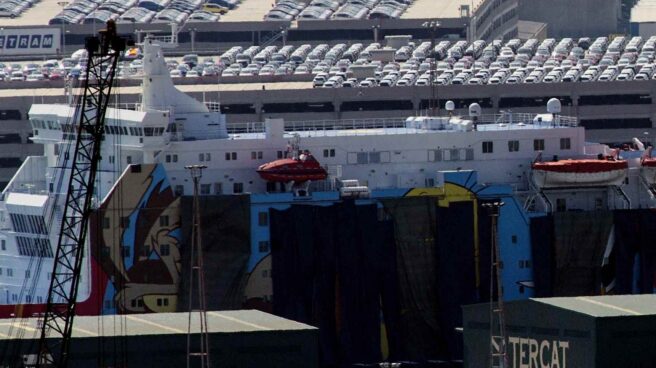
(63, 4)
(4, 43)
(432, 25)
(375, 28)
(498, 324)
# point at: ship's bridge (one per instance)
(131, 129)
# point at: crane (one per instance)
(103, 53)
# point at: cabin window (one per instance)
(263, 246)
(233, 155)
(201, 157)
(538, 145)
(205, 189)
(329, 152)
(125, 222)
(488, 147)
(105, 222)
(164, 220)
(128, 159)
(263, 218)
(3, 244)
(175, 158)
(164, 249)
(10, 272)
(218, 188)
(168, 158)
(28, 274)
(513, 146)
(179, 190)
(565, 143)
(238, 188)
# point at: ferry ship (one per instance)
(540, 163)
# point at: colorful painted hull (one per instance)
(134, 242)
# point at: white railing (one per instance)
(352, 124)
(243, 128)
(528, 119)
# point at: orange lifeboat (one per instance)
(576, 173)
(298, 169)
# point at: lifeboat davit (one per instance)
(301, 169)
(648, 169)
(577, 173)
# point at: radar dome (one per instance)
(475, 110)
(554, 106)
(450, 106)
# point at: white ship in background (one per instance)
(170, 130)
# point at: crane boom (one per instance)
(103, 54)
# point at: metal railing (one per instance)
(527, 119)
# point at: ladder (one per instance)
(498, 338)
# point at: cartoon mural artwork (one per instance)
(136, 243)
(259, 287)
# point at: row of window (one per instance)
(45, 124)
(451, 154)
(34, 247)
(109, 129)
(28, 298)
(206, 189)
(28, 223)
(538, 145)
(375, 157)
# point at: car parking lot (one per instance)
(416, 63)
(143, 11)
(337, 9)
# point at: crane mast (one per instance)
(103, 53)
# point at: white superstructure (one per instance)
(173, 129)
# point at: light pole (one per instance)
(498, 324)
(193, 39)
(197, 277)
(63, 4)
(375, 28)
(432, 25)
